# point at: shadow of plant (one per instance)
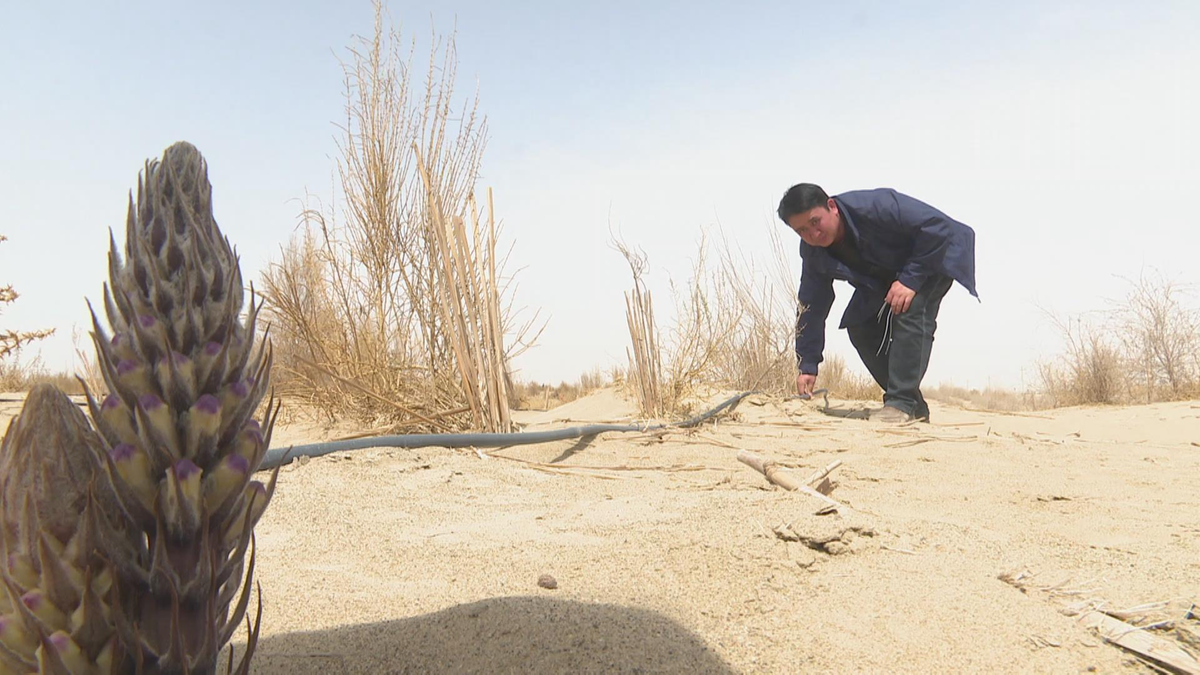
(525, 634)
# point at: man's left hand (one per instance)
(900, 297)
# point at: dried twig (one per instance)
(784, 479)
(1146, 645)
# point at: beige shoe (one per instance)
(890, 415)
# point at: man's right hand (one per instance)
(805, 383)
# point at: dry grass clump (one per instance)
(25, 376)
(1145, 348)
(837, 376)
(733, 329)
(395, 311)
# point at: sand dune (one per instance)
(671, 556)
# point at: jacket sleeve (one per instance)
(815, 298)
(931, 231)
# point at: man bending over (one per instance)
(901, 256)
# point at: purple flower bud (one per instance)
(254, 503)
(70, 653)
(252, 424)
(133, 466)
(110, 402)
(248, 444)
(116, 339)
(224, 479)
(150, 402)
(258, 492)
(126, 366)
(207, 404)
(122, 451)
(185, 469)
(240, 388)
(179, 359)
(212, 349)
(147, 321)
(237, 463)
(34, 600)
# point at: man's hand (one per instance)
(900, 297)
(805, 383)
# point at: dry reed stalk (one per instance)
(645, 361)
(89, 373)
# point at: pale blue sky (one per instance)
(1065, 133)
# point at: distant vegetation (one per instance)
(1143, 348)
(13, 376)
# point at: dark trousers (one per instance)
(898, 356)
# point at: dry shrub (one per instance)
(1160, 339)
(759, 351)
(1090, 370)
(1144, 348)
(396, 312)
(733, 328)
(12, 341)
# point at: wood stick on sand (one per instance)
(821, 473)
(1147, 645)
(785, 480)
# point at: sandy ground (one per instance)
(671, 556)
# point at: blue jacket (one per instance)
(897, 233)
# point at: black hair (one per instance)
(800, 198)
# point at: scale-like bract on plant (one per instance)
(124, 544)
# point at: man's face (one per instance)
(818, 226)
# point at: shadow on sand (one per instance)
(500, 635)
(848, 413)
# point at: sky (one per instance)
(1064, 133)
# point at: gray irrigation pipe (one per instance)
(275, 456)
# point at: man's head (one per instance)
(811, 214)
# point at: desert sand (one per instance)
(668, 555)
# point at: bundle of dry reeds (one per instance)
(469, 305)
(645, 359)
